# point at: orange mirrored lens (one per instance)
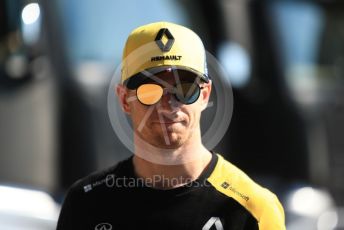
(149, 94)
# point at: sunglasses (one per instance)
(185, 92)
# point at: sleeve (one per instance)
(273, 215)
(66, 218)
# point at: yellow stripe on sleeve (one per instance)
(259, 201)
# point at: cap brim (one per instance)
(148, 75)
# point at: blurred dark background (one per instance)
(284, 59)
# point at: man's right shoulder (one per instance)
(101, 178)
(88, 191)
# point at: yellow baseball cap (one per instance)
(161, 46)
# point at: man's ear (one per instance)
(205, 94)
(122, 94)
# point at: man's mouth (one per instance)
(168, 121)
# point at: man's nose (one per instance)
(168, 100)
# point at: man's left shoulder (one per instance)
(261, 202)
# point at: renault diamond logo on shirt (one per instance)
(160, 42)
(211, 222)
(103, 226)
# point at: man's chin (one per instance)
(169, 142)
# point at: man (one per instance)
(172, 181)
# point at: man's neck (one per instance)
(170, 168)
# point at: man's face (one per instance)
(168, 123)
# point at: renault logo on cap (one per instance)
(103, 226)
(170, 39)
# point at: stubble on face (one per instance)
(164, 131)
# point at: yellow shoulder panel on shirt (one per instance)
(259, 201)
